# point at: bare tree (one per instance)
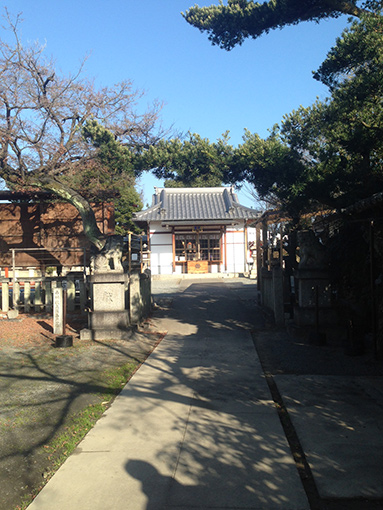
(42, 117)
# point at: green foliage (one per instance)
(357, 54)
(330, 154)
(110, 152)
(108, 176)
(351, 122)
(229, 25)
(194, 162)
(128, 203)
(275, 170)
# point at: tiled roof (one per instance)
(195, 204)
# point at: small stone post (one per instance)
(59, 311)
(135, 301)
(59, 318)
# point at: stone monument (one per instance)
(59, 318)
(109, 294)
(59, 315)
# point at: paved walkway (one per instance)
(195, 428)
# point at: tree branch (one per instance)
(91, 229)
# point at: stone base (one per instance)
(64, 341)
(12, 314)
(106, 334)
(107, 326)
(313, 287)
(108, 320)
(306, 316)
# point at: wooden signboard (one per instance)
(198, 266)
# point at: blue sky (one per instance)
(206, 90)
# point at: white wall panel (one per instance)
(161, 251)
(155, 226)
(235, 251)
(158, 239)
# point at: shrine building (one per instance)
(198, 230)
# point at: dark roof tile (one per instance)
(203, 204)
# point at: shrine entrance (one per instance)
(197, 251)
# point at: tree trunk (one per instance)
(91, 229)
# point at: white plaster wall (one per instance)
(161, 257)
(235, 251)
(214, 268)
(162, 250)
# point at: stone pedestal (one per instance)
(109, 318)
(64, 341)
(314, 305)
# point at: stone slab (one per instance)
(248, 451)
(338, 420)
(108, 296)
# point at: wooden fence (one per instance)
(36, 293)
(28, 288)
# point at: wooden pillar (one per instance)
(281, 248)
(130, 252)
(245, 233)
(83, 296)
(259, 251)
(265, 243)
(174, 249)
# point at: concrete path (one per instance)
(338, 420)
(195, 428)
